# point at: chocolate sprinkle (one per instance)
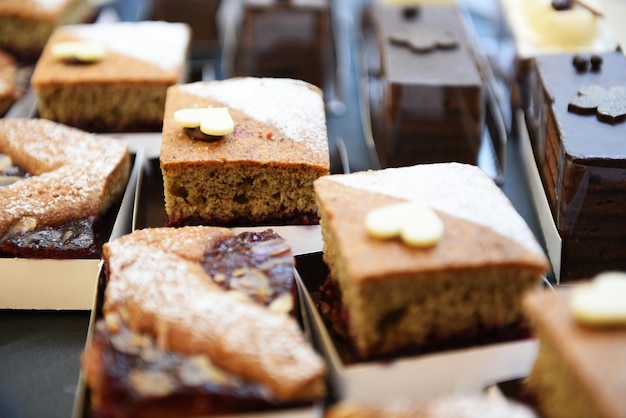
(608, 105)
(580, 62)
(561, 4)
(596, 62)
(410, 12)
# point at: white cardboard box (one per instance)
(551, 237)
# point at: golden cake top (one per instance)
(135, 52)
(278, 121)
(481, 227)
(592, 354)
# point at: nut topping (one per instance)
(148, 383)
(283, 304)
(25, 224)
(251, 282)
(198, 370)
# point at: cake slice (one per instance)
(26, 25)
(8, 82)
(581, 156)
(123, 87)
(199, 321)
(64, 206)
(292, 39)
(260, 173)
(425, 85)
(464, 286)
(579, 371)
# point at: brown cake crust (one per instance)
(75, 175)
(196, 316)
(399, 297)
(578, 372)
(256, 174)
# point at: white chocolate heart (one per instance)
(83, 51)
(416, 224)
(601, 302)
(214, 121)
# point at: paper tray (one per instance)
(61, 284)
(462, 371)
(550, 234)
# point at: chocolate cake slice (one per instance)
(290, 39)
(580, 152)
(425, 86)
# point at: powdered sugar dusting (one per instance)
(163, 44)
(167, 291)
(291, 106)
(460, 190)
(71, 170)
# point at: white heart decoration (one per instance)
(84, 51)
(214, 121)
(416, 224)
(601, 302)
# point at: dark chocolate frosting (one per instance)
(440, 66)
(585, 139)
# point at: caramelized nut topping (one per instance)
(23, 225)
(198, 370)
(148, 383)
(113, 322)
(283, 304)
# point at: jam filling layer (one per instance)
(81, 238)
(337, 319)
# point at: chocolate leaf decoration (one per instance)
(608, 105)
(424, 39)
